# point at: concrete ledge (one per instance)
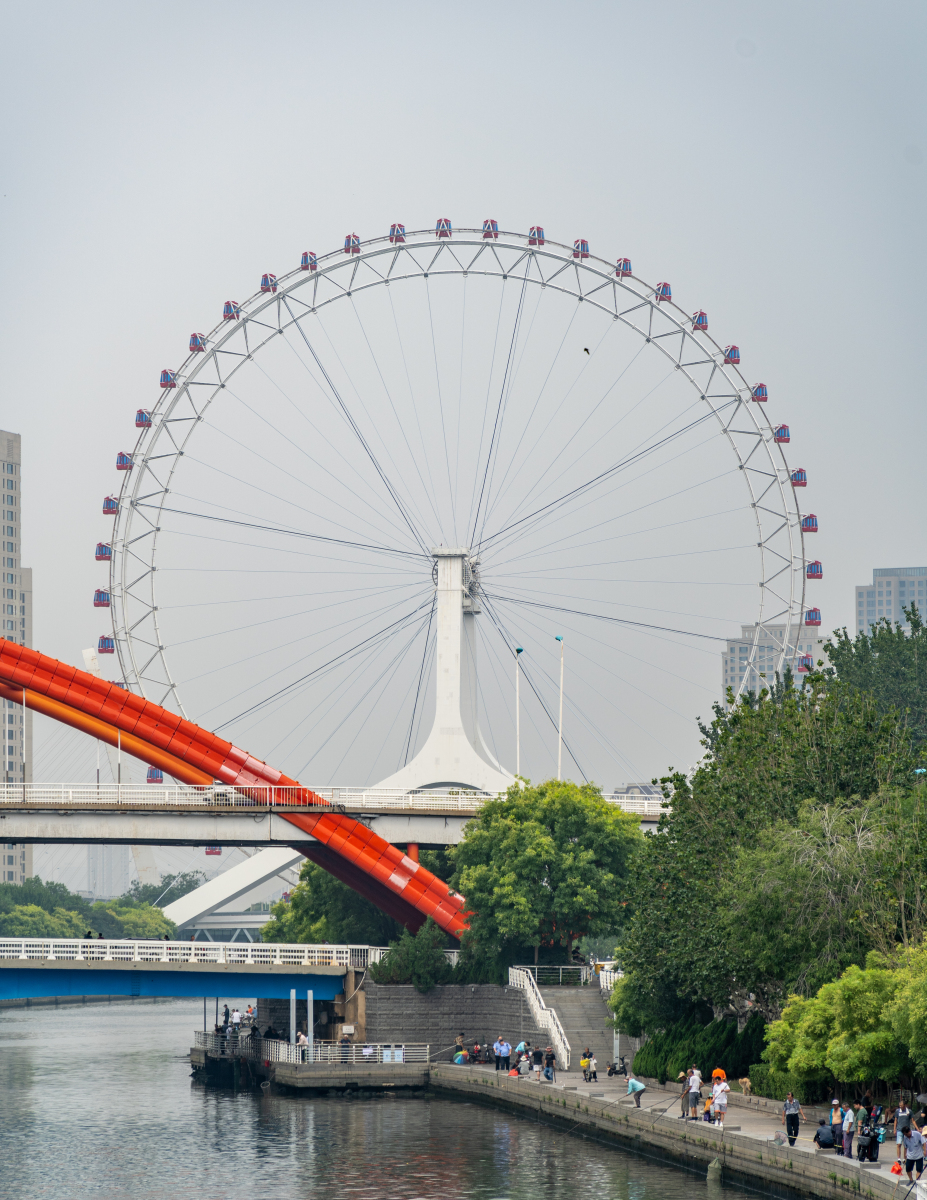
(748, 1160)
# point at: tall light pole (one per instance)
(560, 725)
(519, 650)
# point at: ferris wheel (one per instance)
(608, 475)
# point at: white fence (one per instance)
(265, 954)
(132, 796)
(545, 1018)
(551, 975)
(260, 1049)
(607, 979)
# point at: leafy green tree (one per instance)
(171, 888)
(141, 922)
(416, 958)
(544, 866)
(31, 921)
(767, 761)
(908, 1009)
(323, 909)
(888, 664)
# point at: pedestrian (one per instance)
(505, 1049)
(914, 1153)
(497, 1051)
(522, 1048)
(695, 1092)
(719, 1091)
(550, 1065)
(537, 1061)
(236, 1019)
(636, 1089)
(791, 1111)
(593, 1073)
(836, 1123)
(901, 1126)
(225, 1014)
(824, 1135)
(88, 934)
(849, 1128)
(686, 1077)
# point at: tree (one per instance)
(323, 909)
(544, 866)
(693, 932)
(31, 921)
(416, 958)
(888, 664)
(171, 888)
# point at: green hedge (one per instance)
(717, 1044)
(775, 1084)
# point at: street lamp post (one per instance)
(560, 724)
(519, 650)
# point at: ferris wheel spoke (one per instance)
(447, 461)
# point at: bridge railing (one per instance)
(545, 1018)
(267, 954)
(271, 1050)
(160, 796)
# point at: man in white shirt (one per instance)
(719, 1093)
(695, 1093)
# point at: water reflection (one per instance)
(98, 1101)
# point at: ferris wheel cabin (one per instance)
(805, 663)
(536, 235)
(155, 775)
(700, 321)
(197, 343)
(732, 356)
(143, 418)
(813, 616)
(580, 248)
(663, 293)
(781, 433)
(268, 283)
(103, 552)
(490, 228)
(101, 598)
(397, 233)
(231, 310)
(800, 477)
(309, 261)
(809, 524)
(110, 506)
(760, 393)
(623, 268)
(168, 378)
(443, 227)
(351, 244)
(814, 570)
(124, 461)
(106, 645)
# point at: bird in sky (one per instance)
(586, 348)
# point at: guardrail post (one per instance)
(310, 1024)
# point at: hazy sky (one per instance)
(769, 160)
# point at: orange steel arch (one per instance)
(344, 847)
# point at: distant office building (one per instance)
(736, 655)
(892, 590)
(15, 626)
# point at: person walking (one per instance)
(901, 1125)
(497, 1051)
(550, 1065)
(791, 1111)
(636, 1089)
(849, 1128)
(695, 1092)
(914, 1152)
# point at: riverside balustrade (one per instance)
(268, 1050)
(545, 1018)
(168, 796)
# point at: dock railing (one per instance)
(246, 1045)
(545, 1018)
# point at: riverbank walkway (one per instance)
(745, 1148)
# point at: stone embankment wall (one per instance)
(480, 1011)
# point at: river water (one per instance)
(97, 1101)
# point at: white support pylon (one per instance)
(455, 753)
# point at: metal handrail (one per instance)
(270, 1050)
(554, 975)
(545, 1018)
(264, 954)
(160, 796)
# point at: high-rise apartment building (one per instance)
(736, 654)
(15, 626)
(893, 589)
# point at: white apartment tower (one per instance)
(735, 656)
(892, 590)
(15, 626)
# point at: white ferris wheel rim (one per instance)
(590, 280)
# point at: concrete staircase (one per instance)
(582, 1012)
